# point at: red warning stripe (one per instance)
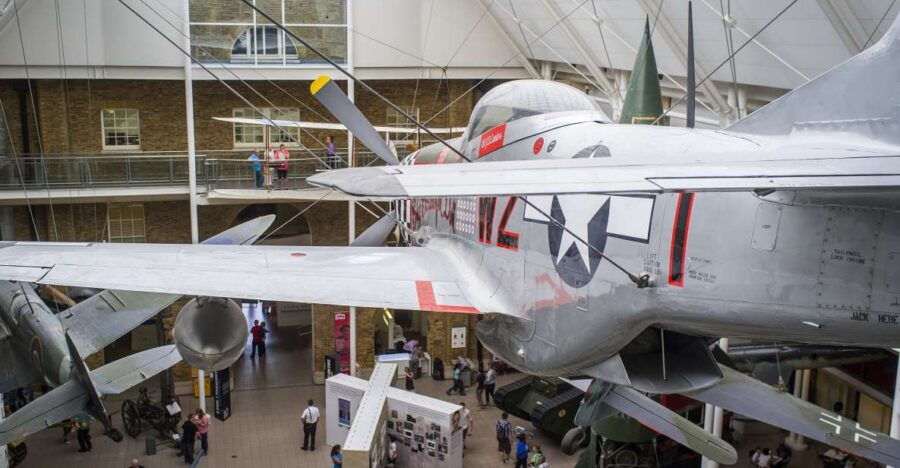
(678, 248)
(425, 291)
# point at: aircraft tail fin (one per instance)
(859, 97)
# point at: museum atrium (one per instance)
(679, 244)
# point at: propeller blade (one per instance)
(691, 78)
(375, 235)
(340, 106)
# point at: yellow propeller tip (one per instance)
(317, 85)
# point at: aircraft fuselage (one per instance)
(779, 266)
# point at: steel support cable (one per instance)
(729, 49)
(707, 77)
(633, 49)
(597, 20)
(253, 69)
(424, 45)
(229, 70)
(304, 210)
(498, 67)
(641, 281)
(15, 159)
(88, 72)
(220, 80)
(37, 126)
(875, 29)
(521, 31)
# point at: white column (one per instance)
(351, 207)
(713, 416)
(895, 411)
(801, 390)
(189, 114)
(192, 157)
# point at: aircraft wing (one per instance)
(806, 169)
(415, 278)
(118, 376)
(330, 126)
(747, 396)
(55, 406)
(103, 318)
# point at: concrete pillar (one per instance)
(801, 390)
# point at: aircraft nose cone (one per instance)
(210, 333)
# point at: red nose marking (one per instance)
(538, 144)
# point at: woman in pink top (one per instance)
(201, 420)
(283, 156)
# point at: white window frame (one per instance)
(119, 237)
(108, 147)
(274, 114)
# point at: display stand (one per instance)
(427, 430)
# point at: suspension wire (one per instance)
(665, 75)
(605, 48)
(708, 76)
(641, 281)
(510, 59)
(88, 73)
(229, 70)
(304, 210)
(469, 34)
(253, 69)
(15, 159)
(37, 126)
(424, 45)
(874, 30)
(522, 32)
(656, 17)
(729, 47)
(394, 48)
(222, 82)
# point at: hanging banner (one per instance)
(222, 393)
(342, 340)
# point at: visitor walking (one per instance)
(263, 332)
(503, 432)
(257, 168)
(256, 333)
(410, 384)
(83, 431)
(490, 381)
(479, 388)
(201, 420)
(337, 458)
(466, 422)
(188, 437)
(521, 451)
(309, 418)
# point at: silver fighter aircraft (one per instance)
(38, 346)
(616, 252)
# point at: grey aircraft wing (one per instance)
(811, 168)
(445, 276)
(67, 400)
(747, 396)
(103, 318)
(55, 406)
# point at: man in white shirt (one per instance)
(465, 422)
(490, 382)
(309, 418)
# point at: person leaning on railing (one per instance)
(282, 156)
(331, 157)
(257, 168)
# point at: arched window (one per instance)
(267, 43)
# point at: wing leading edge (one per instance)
(810, 169)
(416, 278)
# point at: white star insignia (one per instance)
(578, 211)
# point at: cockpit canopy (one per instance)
(524, 98)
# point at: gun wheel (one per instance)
(131, 418)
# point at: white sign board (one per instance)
(458, 337)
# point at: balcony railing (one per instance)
(215, 169)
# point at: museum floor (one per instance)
(264, 431)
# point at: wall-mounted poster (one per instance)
(344, 412)
(342, 340)
(458, 337)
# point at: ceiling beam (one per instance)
(523, 59)
(578, 44)
(845, 24)
(672, 37)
